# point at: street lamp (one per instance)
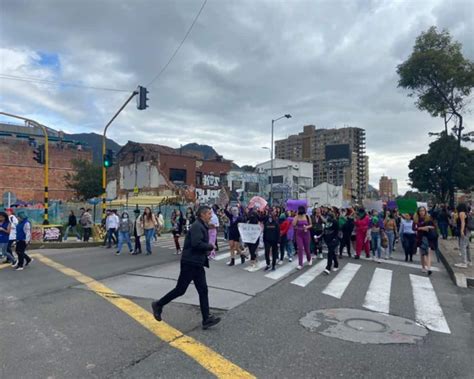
(271, 158)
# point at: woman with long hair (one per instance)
(302, 226)
(317, 231)
(425, 238)
(235, 217)
(177, 223)
(390, 225)
(149, 223)
(407, 236)
(464, 232)
(124, 230)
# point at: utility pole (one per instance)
(141, 105)
(46, 160)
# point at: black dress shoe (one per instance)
(211, 321)
(157, 309)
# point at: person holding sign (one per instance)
(235, 218)
(253, 219)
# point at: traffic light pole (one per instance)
(46, 162)
(104, 139)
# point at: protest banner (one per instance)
(249, 232)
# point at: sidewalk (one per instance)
(462, 277)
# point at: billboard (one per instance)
(338, 152)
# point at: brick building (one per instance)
(161, 170)
(23, 176)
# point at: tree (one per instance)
(439, 75)
(248, 168)
(87, 180)
(434, 172)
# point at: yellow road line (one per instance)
(206, 357)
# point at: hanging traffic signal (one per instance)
(39, 154)
(109, 158)
(141, 98)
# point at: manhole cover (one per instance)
(361, 326)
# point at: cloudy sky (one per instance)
(329, 63)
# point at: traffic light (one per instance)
(141, 98)
(39, 154)
(109, 158)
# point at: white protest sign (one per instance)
(249, 232)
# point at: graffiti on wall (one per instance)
(207, 196)
(210, 180)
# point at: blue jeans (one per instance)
(375, 243)
(4, 252)
(391, 241)
(110, 236)
(290, 249)
(148, 237)
(74, 230)
(443, 227)
(124, 237)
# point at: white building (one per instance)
(394, 188)
(325, 194)
(291, 179)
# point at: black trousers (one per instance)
(273, 246)
(87, 234)
(253, 249)
(138, 244)
(332, 257)
(345, 242)
(409, 245)
(283, 242)
(21, 252)
(187, 274)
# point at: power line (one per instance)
(179, 46)
(57, 83)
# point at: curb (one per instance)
(60, 245)
(458, 278)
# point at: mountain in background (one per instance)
(94, 141)
(205, 151)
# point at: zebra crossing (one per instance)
(428, 311)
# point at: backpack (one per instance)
(470, 223)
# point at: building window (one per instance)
(252, 187)
(236, 184)
(223, 179)
(177, 175)
(276, 179)
(198, 178)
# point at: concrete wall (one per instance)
(142, 175)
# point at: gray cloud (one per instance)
(328, 63)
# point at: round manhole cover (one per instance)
(361, 326)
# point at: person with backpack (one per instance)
(5, 229)
(23, 238)
(465, 224)
(138, 232)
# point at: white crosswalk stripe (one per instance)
(378, 295)
(260, 265)
(338, 285)
(427, 308)
(282, 271)
(304, 279)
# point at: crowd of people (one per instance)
(285, 234)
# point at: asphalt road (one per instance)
(51, 327)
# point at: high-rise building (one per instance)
(338, 156)
(385, 188)
(394, 187)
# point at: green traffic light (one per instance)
(107, 164)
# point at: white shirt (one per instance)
(112, 222)
(215, 220)
(14, 223)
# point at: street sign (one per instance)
(135, 191)
(9, 198)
